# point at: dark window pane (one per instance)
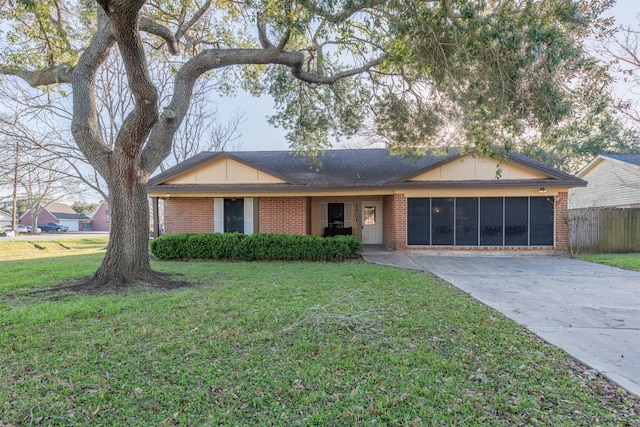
(467, 221)
(335, 215)
(516, 221)
(541, 220)
(234, 215)
(442, 221)
(418, 221)
(491, 221)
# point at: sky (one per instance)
(258, 134)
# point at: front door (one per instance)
(372, 223)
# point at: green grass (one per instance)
(627, 261)
(280, 344)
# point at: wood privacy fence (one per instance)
(604, 230)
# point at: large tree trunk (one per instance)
(127, 257)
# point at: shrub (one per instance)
(255, 247)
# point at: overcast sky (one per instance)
(257, 134)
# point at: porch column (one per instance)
(156, 217)
(359, 217)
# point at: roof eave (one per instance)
(387, 188)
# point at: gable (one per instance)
(225, 171)
(604, 162)
(610, 183)
(470, 168)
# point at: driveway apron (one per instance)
(589, 310)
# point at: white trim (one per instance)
(248, 215)
(218, 215)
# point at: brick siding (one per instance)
(285, 215)
(562, 225)
(188, 215)
(394, 213)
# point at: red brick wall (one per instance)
(286, 215)
(394, 213)
(562, 226)
(188, 215)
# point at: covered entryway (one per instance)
(372, 223)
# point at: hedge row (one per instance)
(255, 247)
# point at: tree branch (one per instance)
(84, 125)
(151, 27)
(46, 77)
(194, 19)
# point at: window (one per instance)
(480, 221)
(369, 213)
(335, 215)
(234, 215)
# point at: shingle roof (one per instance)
(343, 168)
(633, 159)
(64, 215)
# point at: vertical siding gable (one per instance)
(224, 171)
(471, 168)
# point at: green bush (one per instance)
(255, 247)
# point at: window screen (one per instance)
(541, 221)
(467, 221)
(491, 221)
(442, 221)
(516, 221)
(418, 224)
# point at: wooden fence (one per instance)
(604, 230)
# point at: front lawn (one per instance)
(627, 261)
(281, 344)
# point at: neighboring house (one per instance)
(5, 217)
(604, 216)
(613, 181)
(59, 213)
(435, 202)
(101, 218)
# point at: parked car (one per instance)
(19, 228)
(51, 227)
(7, 233)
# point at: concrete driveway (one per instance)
(591, 311)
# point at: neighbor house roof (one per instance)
(633, 159)
(60, 211)
(629, 159)
(350, 168)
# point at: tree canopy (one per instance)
(425, 72)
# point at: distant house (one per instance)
(60, 213)
(5, 217)
(604, 215)
(452, 201)
(613, 182)
(101, 218)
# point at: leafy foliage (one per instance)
(255, 247)
(483, 73)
